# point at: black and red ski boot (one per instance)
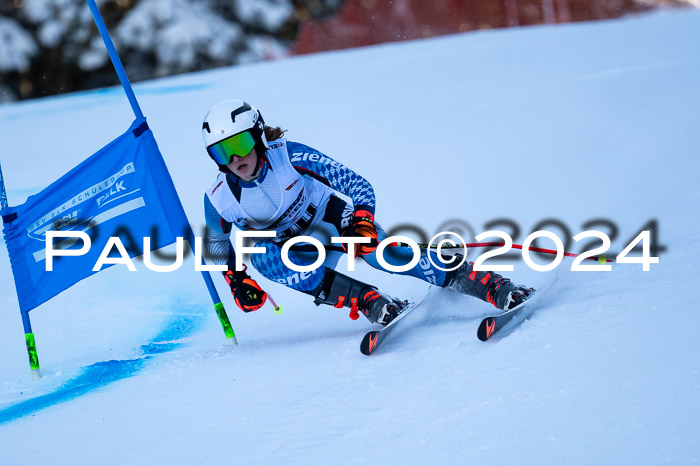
(487, 286)
(509, 295)
(339, 290)
(379, 307)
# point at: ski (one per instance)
(492, 324)
(374, 338)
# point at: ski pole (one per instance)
(601, 259)
(278, 309)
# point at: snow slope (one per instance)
(573, 122)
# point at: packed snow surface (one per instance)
(574, 123)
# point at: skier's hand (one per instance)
(362, 224)
(246, 291)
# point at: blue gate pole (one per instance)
(114, 56)
(126, 85)
(218, 305)
(3, 194)
(26, 323)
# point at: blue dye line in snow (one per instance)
(103, 373)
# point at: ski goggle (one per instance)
(239, 144)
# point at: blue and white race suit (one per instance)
(296, 193)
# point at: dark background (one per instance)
(50, 47)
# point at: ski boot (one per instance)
(487, 286)
(339, 290)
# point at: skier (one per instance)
(270, 183)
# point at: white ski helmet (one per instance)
(233, 127)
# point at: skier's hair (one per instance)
(274, 133)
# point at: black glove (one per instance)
(362, 224)
(246, 291)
